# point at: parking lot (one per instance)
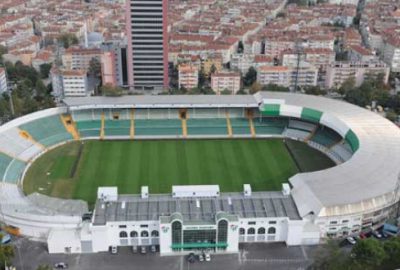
(252, 256)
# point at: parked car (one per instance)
(376, 234)
(143, 250)
(114, 249)
(5, 238)
(134, 249)
(191, 258)
(61, 265)
(201, 257)
(153, 249)
(363, 236)
(207, 257)
(351, 240)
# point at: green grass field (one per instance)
(159, 164)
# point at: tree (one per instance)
(314, 90)
(111, 91)
(331, 257)
(67, 40)
(367, 254)
(255, 87)
(240, 48)
(44, 267)
(250, 77)
(45, 70)
(213, 69)
(95, 67)
(6, 253)
(3, 50)
(392, 250)
(275, 88)
(226, 92)
(202, 77)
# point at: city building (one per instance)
(147, 55)
(391, 53)
(242, 62)
(3, 81)
(339, 72)
(75, 83)
(230, 81)
(108, 68)
(287, 76)
(79, 58)
(188, 76)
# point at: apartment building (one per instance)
(79, 58)
(75, 83)
(188, 76)
(242, 62)
(230, 81)
(339, 72)
(391, 53)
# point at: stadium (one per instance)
(197, 172)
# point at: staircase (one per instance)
(132, 130)
(228, 124)
(70, 126)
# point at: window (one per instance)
(123, 234)
(251, 223)
(271, 230)
(242, 231)
(154, 233)
(176, 232)
(222, 231)
(333, 222)
(272, 222)
(251, 231)
(261, 231)
(134, 234)
(144, 234)
(144, 226)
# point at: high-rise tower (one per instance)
(147, 55)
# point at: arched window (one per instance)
(242, 231)
(144, 234)
(134, 234)
(176, 232)
(222, 231)
(123, 234)
(251, 231)
(271, 230)
(154, 233)
(261, 231)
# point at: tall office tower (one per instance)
(147, 54)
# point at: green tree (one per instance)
(392, 250)
(330, 257)
(202, 77)
(255, 87)
(95, 67)
(314, 90)
(213, 69)
(6, 253)
(275, 88)
(68, 39)
(226, 92)
(367, 254)
(44, 267)
(250, 77)
(3, 50)
(45, 70)
(111, 91)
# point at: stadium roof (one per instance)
(161, 101)
(134, 208)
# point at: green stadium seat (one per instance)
(4, 162)
(270, 126)
(89, 128)
(326, 137)
(48, 130)
(158, 127)
(14, 171)
(117, 127)
(207, 127)
(240, 126)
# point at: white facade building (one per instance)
(391, 54)
(226, 81)
(75, 83)
(188, 76)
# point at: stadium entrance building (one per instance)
(177, 225)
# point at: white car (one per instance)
(351, 240)
(201, 258)
(207, 257)
(377, 234)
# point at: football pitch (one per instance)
(76, 169)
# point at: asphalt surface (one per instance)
(276, 256)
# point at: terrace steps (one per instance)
(102, 126)
(228, 124)
(132, 129)
(25, 134)
(70, 126)
(311, 134)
